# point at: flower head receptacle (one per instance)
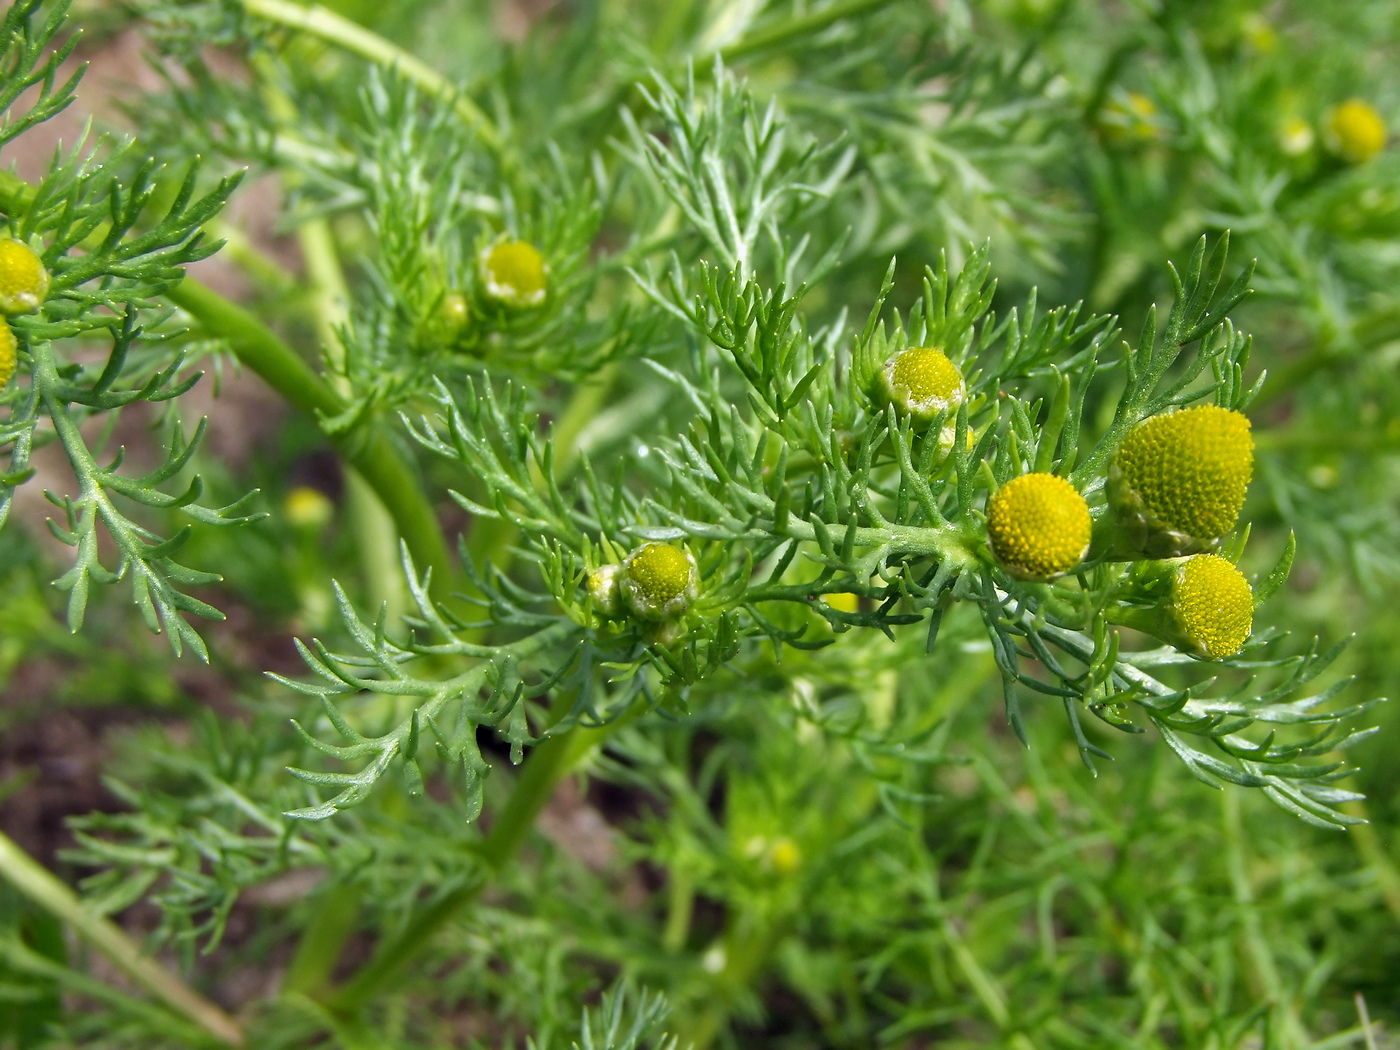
(514, 273)
(1179, 479)
(9, 354)
(658, 582)
(1038, 526)
(1214, 605)
(1355, 131)
(24, 283)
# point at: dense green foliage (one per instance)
(657, 671)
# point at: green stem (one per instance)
(376, 538)
(781, 33)
(547, 765)
(370, 451)
(317, 21)
(44, 889)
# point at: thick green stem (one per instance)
(369, 450)
(44, 889)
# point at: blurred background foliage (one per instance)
(781, 876)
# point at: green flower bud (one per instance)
(658, 582)
(514, 273)
(24, 283)
(604, 589)
(1178, 480)
(1038, 526)
(1214, 605)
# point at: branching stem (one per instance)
(38, 884)
(340, 31)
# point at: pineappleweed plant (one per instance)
(753, 510)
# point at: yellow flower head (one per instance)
(923, 382)
(659, 581)
(784, 857)
(514, 273)
(1214, 605)
(24, 283)
(1355, 131)
(1038, 525)
(1132, 117)
(308, 508)
(9, 351)
(1188, 470)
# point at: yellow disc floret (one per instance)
(923, 381)
(514, 273)
(9, 352)
(24, 283)
(1038, 525)
(1190, 469)
(1214, 605)
(1356, 131)
(659, 581)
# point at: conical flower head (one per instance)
(658, 581)
(24, 283)
(1355, 131)
(1214, 605)
(922, 381)
(1180, 478)
(1038, 526)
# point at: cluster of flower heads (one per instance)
(24, 284)
(1176, 486)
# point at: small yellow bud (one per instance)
(454, 309)
(923, 382)
(1132, 117)
(24, 283)
(1214, 605)
(1182, 476)
(514, 273)
(784, 857)
(9, 354)
(307, 508)
(658, 581)
(1039, 526)
(1355, 131)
